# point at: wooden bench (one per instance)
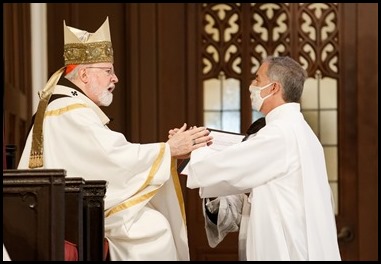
(68, 208)
(74, 213)
(84, 203)
(34, 214)
(93, 219)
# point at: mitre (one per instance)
(82, 47)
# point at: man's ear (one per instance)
(276, 87)
(82, 74)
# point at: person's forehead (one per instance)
(102, 64)
(262, 70)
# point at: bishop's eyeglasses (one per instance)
(109, 70)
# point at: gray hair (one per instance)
(74, 73)
(289, 74)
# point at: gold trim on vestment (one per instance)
(36, 158)
(131, 202)
(135, 200)
(65, 109)
(154, 168)
(176, 183)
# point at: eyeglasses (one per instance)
(108, 70)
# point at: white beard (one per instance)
(105, 98)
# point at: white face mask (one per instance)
(255, 96)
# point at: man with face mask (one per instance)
(144, 210)
(256, 99)
(290, 207)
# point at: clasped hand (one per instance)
(183, 141)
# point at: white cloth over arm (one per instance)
(233, 214)
(229, 210)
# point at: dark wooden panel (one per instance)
(16, 73)
(367, 57)
(347, 131)
(144, 72)
(93, 217)
(33, 215)
(74, 223)
(172, 67)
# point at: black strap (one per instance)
(255, 127)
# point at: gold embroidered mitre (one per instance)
(84, 47)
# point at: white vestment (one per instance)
(283, 166)
(5, 254)
(144, 210)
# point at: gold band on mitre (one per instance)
(82, 47)
(88, 53)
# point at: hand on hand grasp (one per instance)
(182, 142)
